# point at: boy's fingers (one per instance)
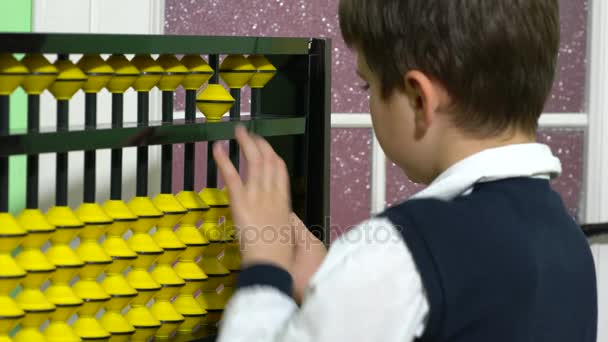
(269, 168)
(275, 167)
(250, 152)
(265, 149)
(282, 178)
(229, 173)
(297, 224)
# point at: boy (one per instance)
(487, 252)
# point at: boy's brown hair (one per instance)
(496, 58)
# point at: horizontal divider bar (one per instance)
(66, 43)
(595, 229)
(154, 134)
(547, 120)
(564, 120)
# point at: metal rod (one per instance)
(214, 63)
(33, 125)
(142, 152)
(166, 178)
(211, 167)
(89, 156)
(235, 114)
(256, 102)
(4, 166)
(116, 163)
(190, 149)
(190, 106)
(90, 107)
(61, 191)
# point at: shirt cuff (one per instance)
(266, 275)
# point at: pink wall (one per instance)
(351, 154)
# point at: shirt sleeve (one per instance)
(367, 289)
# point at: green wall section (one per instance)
(16, 16)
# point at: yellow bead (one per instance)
(214, 102)
(69, 80)
(41, 74)
(98, 72)
(236, 71)
(150, 73)
(124, 74)
(174, 73)
(12, 73)
(264, 71)
(199, 72)
(187, 268)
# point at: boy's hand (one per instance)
(261, 205)
(308, 255)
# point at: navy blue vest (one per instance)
(503, 264)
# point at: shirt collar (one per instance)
(522, 160)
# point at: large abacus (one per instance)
(172, 283)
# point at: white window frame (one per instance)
(595, 208)
(378, 164)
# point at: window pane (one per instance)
(569, 89)
(398, 186)
(350, 176)
(568, 145)
(301, 18)
(319, 18)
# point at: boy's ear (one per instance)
(424, 99)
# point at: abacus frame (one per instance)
(295, 106)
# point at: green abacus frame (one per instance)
(295, 106)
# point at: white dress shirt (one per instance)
(368, 287)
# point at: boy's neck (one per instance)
(457, 148)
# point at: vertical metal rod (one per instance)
(211, 167)
(214, 62)
(33, 125)
(4, 168)
(116, 163)
(89, 156)
(61, 192)
(235, 114)
(256, 102)
(142, 151)
(189, 150)
(166, 178)
(61, 169)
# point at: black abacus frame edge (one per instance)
(595, 229)
(317, 138)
